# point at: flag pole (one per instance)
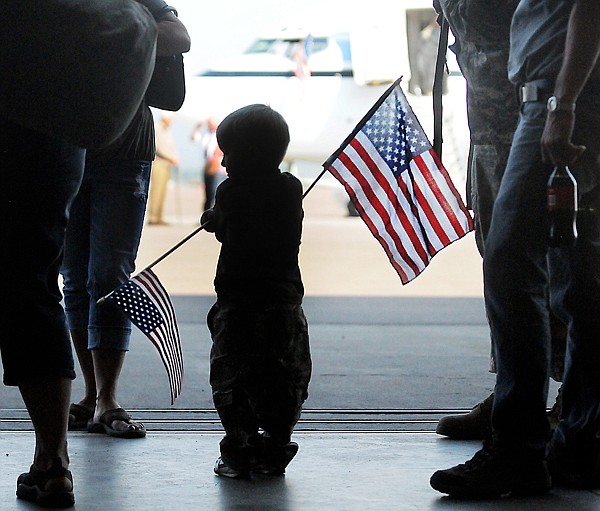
(101, 300)
(314, 182)
(175, 247)
(196, 231)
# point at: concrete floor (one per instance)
(337, 471)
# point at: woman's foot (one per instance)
(117, 422)
(79, 416)
(47, 488)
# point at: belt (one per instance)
(538, 90)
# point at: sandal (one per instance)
(104, 425)
(79, 416)
(47, 488)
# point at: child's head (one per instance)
(255, 136)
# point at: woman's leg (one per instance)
(118, 206)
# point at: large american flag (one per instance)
(146, 302)
(399, 186)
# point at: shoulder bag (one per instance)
(167, 86)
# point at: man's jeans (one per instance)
(101, 246)
(516, 279)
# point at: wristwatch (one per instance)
(555, 105)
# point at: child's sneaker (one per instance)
(224, 470)
(272, 462)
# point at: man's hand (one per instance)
(582, 49)
(556, 144)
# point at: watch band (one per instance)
(556, 105)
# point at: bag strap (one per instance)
(158, 7)
(438, 86)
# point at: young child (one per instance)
(260, 363)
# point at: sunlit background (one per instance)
(386, 40)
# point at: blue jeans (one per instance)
(101, 246)
(40, 177)
(517, 278)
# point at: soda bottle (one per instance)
(562, 207)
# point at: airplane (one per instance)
(322, 81)
(316, 94)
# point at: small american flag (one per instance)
(146, 302)
(399, 186)
(301, 54)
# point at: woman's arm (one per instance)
(173, 37)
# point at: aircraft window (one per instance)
(315, 45)
(261, 46)
(319, 44)
(343, 41)
(287, 47)
(281, 48)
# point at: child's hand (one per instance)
(208, 220)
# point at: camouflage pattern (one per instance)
(260, 368)
(482, 34)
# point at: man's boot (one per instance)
(475, 425)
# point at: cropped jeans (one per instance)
(519, 272)
(101, 246)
